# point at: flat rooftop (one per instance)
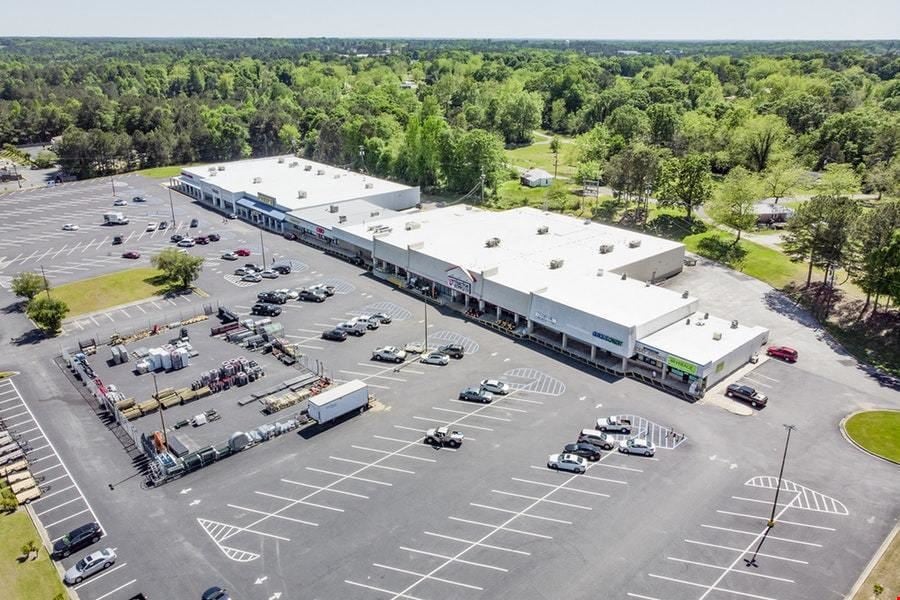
(695, 341)
(277, 178)
(349, 213)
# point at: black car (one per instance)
(272, 297)
(75, 540)
(163, 225)
(337, 335)
(282, 269)
(268, 310)
(138, 199)
(194, 222)
(747, 394)
(213, 237)
(311, 296)
(176, 238)
(453, 350)
(215, 593)
(290, 237)
(117, 240)
(588, 451)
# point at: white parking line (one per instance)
(391, 439)
(710, 588)
(111, 592)
(367, 375)
(427, 576)
(769, 537)
(41, 514)
(501, 528)
(474, 543)
(324, 489)
(553, 485)
(471, 414)
(498, 406)
(458, 560)
(345, 476)
(66, 518)
(385, 467)
(585, 476)
(295, 500)
(700, 564)
(468, 425)
(409, 456)
(523, 496)
(734, 514)
(56, 466)
(284, 518)
(742, 552)
(515, 512)
(99, 577)
(59, 491)
(382, 590)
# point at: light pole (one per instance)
(112, 180)
(171, 206)
(362, 159)
(482, 185)
(751, 562)
(262, 248)
(162, 418)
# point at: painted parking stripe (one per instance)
(520, 513)
(713, 588)
(758, 518)
(743, 551)
(41, 514)
(345, 476)
(768, 537)
(454, 559)
(409, 456)
(470, 414)
(475, 543)
(700, 564)
(429, 577)
(66, 518)
(468, 425)
(98, 577)
(284, 518)
(553, 485)
(111, 592)
(390, 593)
(59, 491)
(502, 528)
(367, 375)
(583, 475)
(303, 502)
(372, 465)
(525, 497)
(322, 488)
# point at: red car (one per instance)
(782, 352)
(242, 252)
(201, 240)
(131, 254)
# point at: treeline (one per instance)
(438, 115)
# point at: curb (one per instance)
(48, 545)
(847, 437)
(874, 561)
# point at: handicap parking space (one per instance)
(734, 552)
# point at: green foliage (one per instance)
(876, 239)
(685, 182)
(838, 181)
(27, 285)
(820, 234)
(179, 268)
(44, 159)
(47, 313)
(781, 178)
(733, 205)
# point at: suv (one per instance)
(322, 288)
(453, 350)
(597, 438)
(176, 238)
(311, 296)
(117, 240)
(747, 394)
(782, 352)
(268, 310)
(272, 297)
(77, 539)
(282, 269)
(476, 395)
(214, 237)
(163, 225)
(194, 222)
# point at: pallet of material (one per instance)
(170, 401)
(187, 396)
(132, 413)
(147, 406)
(163, 393)
(19, 465)
(18, 476)
(125, 404)
(203, 392)
(277, 403)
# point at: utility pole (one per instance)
(162, 418)
(46, 284)
(112, 180)
(425, 345)
(262, 248)
(751, 562)
(171, 206)
(362, 159)
(482, 185)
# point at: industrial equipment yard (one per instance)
(362, 508)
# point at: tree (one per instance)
(633, 173)
(518, 115)
(733, 205)
(468, 154)
(47, 313)
(554, 149)
(44, 159)
(819, 233)
(663, 122)
(883, 179)
(781, 178)
(684, 182)
(758, 139)
(28, 285)
(838, 181)
(629, 122)
(876, 245)
(178, 267)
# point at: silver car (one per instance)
(495, 386)
(90, 565)
(435, 358)
(567, 462)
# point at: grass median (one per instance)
(878, 431)
(25, 579)
(121, 287)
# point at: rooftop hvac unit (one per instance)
(382, 230)
(221, 167)
(333, 208)
(556, 263)
(543, 230)
(211, 169)
(337, 176)
(257, 180)
(410, 225)
(587, 221)
(369, 185)
(213, 174)
(634, 244)
(320, 171)
(700, 322)
(342, 219)
(684, 294)
(301, 194)
(717, 335)
(293, 164)
(280, 160)
(307, 167)
(606, 248)
(600, 272)
(734, 324)
(375, 213)
(705, 315)
(492, 242)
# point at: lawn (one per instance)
(885, 574)
(539, 155)
(160, 172)
(29, 580)
(96, 293)
(878, 431)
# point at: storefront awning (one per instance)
(262, 208)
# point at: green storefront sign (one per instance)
(682, 365)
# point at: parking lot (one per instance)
(365, 509)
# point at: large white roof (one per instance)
(695, 341)
(322, 184)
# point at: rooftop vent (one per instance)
(221, 167)
(212, 169)
(410, 225)
(700, 322)
(688, 322)
(307, 167)
(543, 230)
(375, 213)
(293, 164)
(587, 221)
(717, 335)
(337, 176)
(280, 160)
(342, 219)
(606, 248)
(556, 263)
(301, 194)
(493, 242)
(213, 174)
(381, 230)
(333, 208)
(369, 185)
(634, 244)
(600, 272)
(734, 324)
(684, 294)
(624, 276)
(257, 180)
(320, 171)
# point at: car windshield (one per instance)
(81, 564)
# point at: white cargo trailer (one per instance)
(115, 218)
(339, 401)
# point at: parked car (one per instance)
(322, 288)
(91, 564)
(117, 239)
(252, 278)
(747, 394)
(453, 350)
(597, 438)
(290, 236)
(389, 353)
(289, 294)
(282, 269)
(311, 296)
(232, 216)
(336, 335)
(120, 202)
(163, 225)
(138, 199)
(214, 237)
(415, 347)
(637, 446)
(254, 266)
(383, 318)
(495, 386)
(242, 252)
(444, 436)
(474, 394)
(614, 423)
(186, 243)
(131, 254)
(194, 222)
(176, 238)
(567, 462)
(70, 227)
(268, 274)
(215, 593)
(583, 449)
(370, 322)
(202, 240)
(151, 226)
(435, 358)
(244, 271)
(272, 297)
(75, 540)
(268, 310)
(783, 352)
(229, 256)
(354, 327)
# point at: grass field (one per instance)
(878, 431)
(539, 155)
(89, 295)
(886, 574)
(160, 172)
(29, 580)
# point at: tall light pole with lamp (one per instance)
(751, 562)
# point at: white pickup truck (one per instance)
(614, 423)
(443, 436)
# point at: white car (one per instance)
(70, 227)
(290, 294)
(389, 353)
(151, 226)
(251, 278)
(435, 358)
(637, 446)
(89, 565)
(495, 386)
(415, 347)
(121, 202)
(268, 274)
(567, 462)
(186, 243)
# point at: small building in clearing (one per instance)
(536, 178)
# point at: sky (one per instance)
(563, 19)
